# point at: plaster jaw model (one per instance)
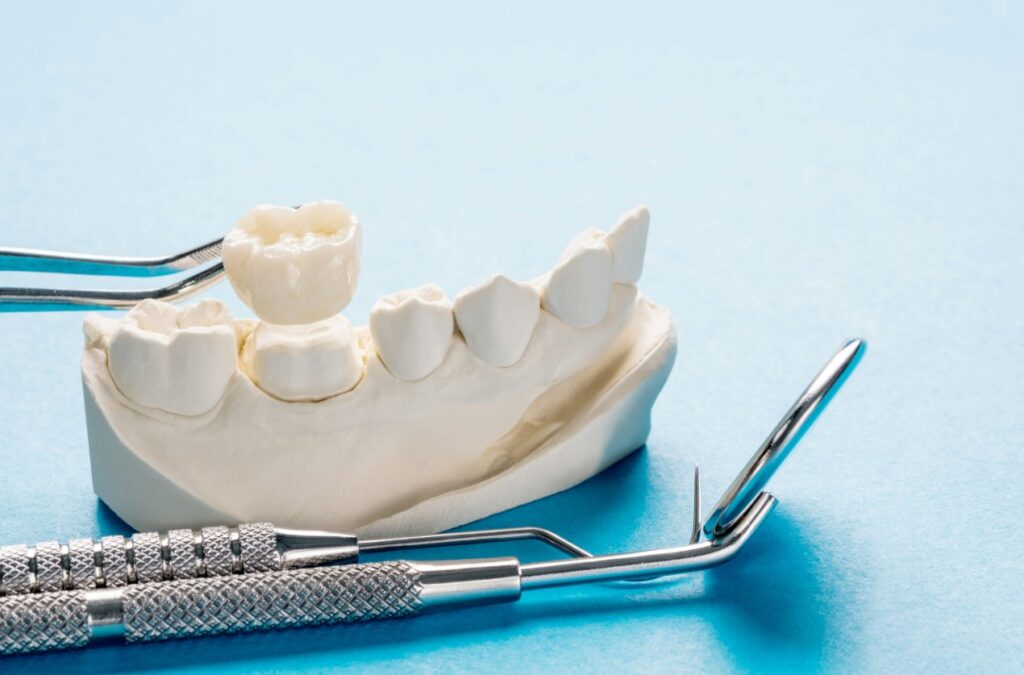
(438, 413)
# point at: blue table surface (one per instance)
(814, 173)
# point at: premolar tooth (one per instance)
(294, 266)
(412, 330)
(497, 319)
(177, 360)
(304, 363)
(578, 290)
(628, 243)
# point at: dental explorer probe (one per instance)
(259, 600)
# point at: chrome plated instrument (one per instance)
(227, 580)
(148, 557)
(206, 256)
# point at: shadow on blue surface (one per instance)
(769, 607)
(775, 599)
(109, 522)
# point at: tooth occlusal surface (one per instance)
(294, 266)
(412, 330)
(179, 360)
(497, 319)
(579, 287)
(310, 362)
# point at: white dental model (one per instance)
(438, 413)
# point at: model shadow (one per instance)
(773, 598)
(110, 523)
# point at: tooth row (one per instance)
(412, 329)
(579, 287)
(181, 360)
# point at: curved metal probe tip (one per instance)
(787, 433)
(654, 563)
(695, 532)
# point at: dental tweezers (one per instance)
(255, 577)
(205, 257)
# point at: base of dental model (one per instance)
(437, 413)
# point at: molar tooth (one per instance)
(412, 330)
(628, 243)
(177, 360)
(497, 319)
(579, 287)
(304, 363)
(294, 266)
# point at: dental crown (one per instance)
(294, 266)
(438, 412)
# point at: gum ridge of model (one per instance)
(439, 412)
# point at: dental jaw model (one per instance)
(439, 412)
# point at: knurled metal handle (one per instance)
(273, 600)
(43, 622)
(219, 605)
(84, 564)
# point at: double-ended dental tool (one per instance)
(228, 580)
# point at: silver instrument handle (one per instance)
(43, 622)
(252, 602)
(145, 557)
(264, 601)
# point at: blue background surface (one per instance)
(813, 174)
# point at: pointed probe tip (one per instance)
(695, 531)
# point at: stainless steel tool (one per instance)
(254, 577)
(148, 557)
(206, 257)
